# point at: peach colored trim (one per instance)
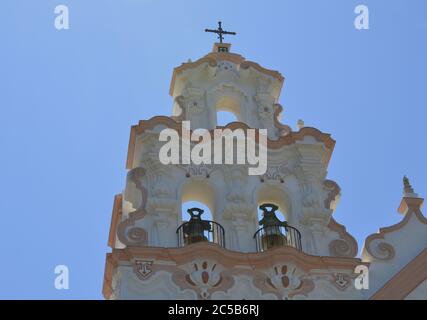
(283, 129)
(382, 247)
(126, 230)
(265, 283)
(131, 147)
(206, 59)
(317, 134)
(185, 281)
(261, 280)
(110, 266)
(202, 276)
(346, 246)
(144, 125)
(180, 117)
(115, 218)
(334, 190)
(405, 281)
(288, 139)
(273, 73)
(230, 259)
(409, 205)
(212, 59)
(415, 204)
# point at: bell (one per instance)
(194, 229)
(273, 235)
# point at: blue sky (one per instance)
(68, 99)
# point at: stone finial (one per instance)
(300, 124)
(410, 200)
(408, 191)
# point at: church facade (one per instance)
(238, 255)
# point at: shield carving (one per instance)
(143, 268)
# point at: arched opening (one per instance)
(198, 215)
(225, 117)
(275, 196)
(228, 110)
(273, 213)
(197, 193)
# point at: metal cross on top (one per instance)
(220, 32)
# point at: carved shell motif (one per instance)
(285, 280)
(204, 278)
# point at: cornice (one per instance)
(230, 259)
(115, 219)
(212, 59)
(284, 140)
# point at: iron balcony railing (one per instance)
(276, 236)
(205, 231)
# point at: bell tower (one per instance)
(246, 250)
(225, 81)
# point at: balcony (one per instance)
(275, 233)
(277, 236)
(198, 230)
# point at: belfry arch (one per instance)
(275, 195)
(198, 191)
(227, 97)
